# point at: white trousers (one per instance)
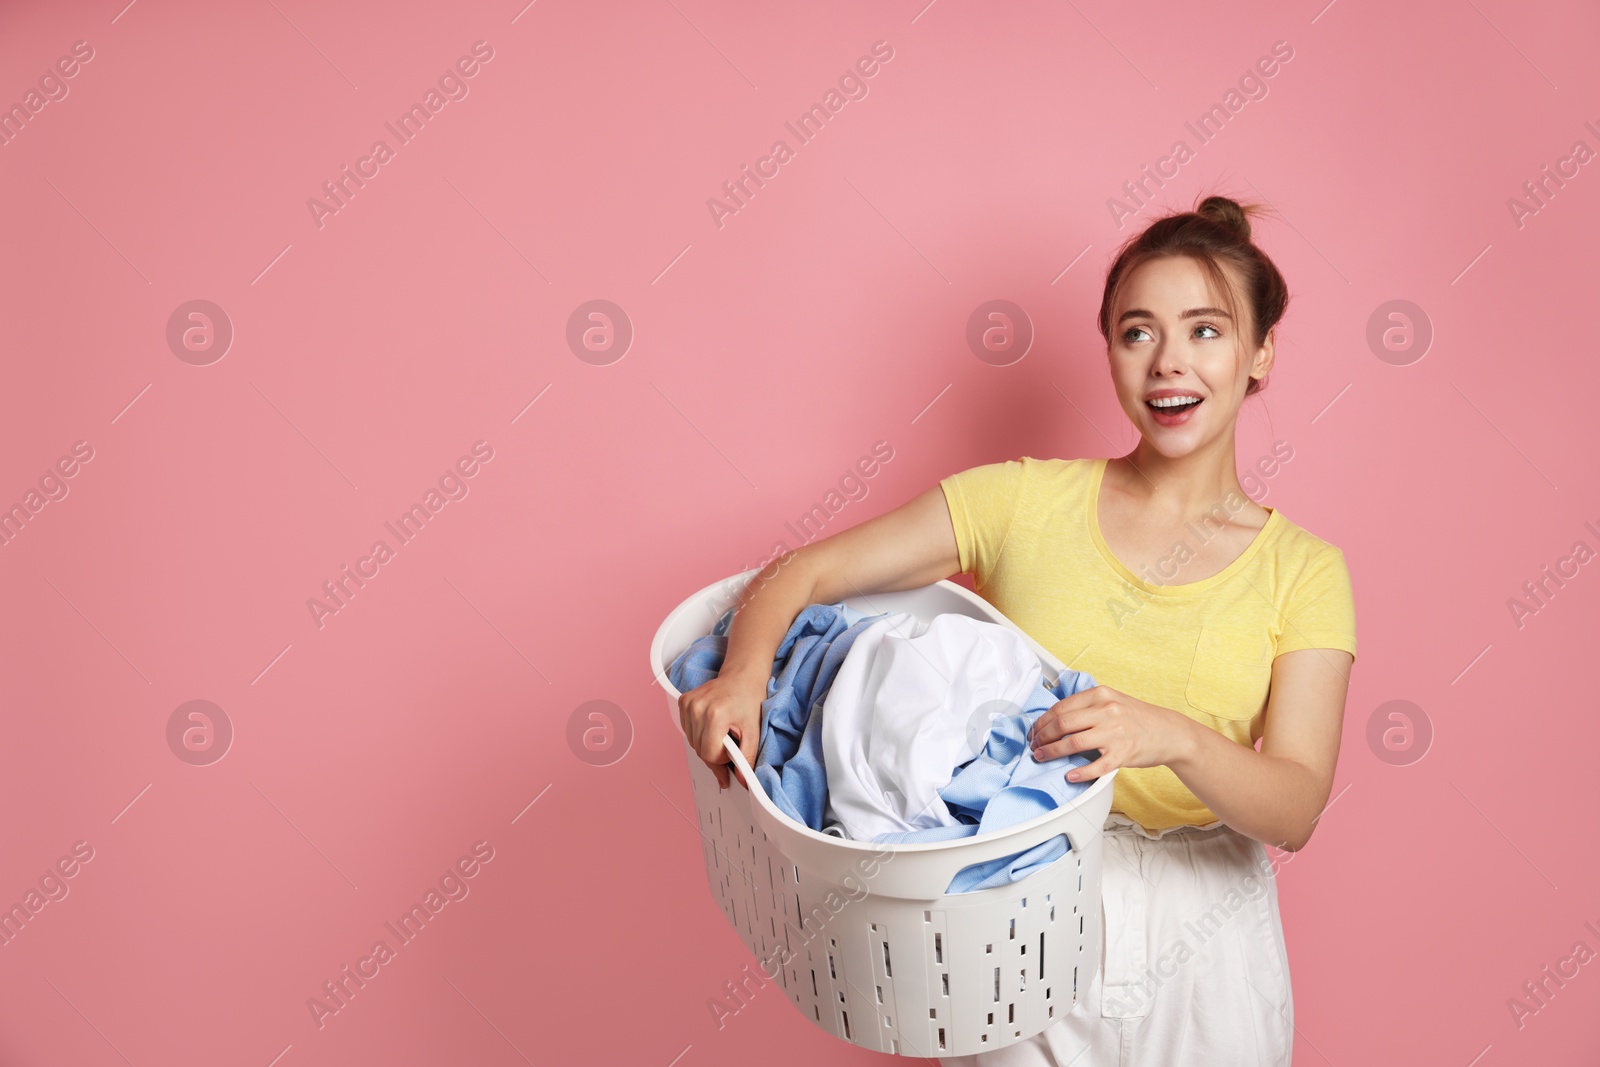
(1193, 968)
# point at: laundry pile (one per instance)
(892, 729)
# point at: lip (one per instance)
(1177, 418)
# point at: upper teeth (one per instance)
(1173, 401)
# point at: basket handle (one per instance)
(946, 859)
(738, 759)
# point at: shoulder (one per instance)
(1036, 465)
(1022, 472)
(1300, 556)
(1008, 480)
(1062, 471)
(1295, 540)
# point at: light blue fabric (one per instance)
(1002, 786)
(789, 762)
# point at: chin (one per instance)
(1173, 442)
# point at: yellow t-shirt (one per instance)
(1028, 533)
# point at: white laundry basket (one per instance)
(862, 936)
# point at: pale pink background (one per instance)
(769, 355)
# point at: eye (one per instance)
(1128, 338)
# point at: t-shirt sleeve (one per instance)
(1320, 612)
(983, 505)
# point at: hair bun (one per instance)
(1227, 213)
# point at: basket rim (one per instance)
(786, 825)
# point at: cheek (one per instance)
(1122, 369)
(1222, 371)
(1128, 376)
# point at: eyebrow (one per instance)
(1141, 313)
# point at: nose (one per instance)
(1167, 363)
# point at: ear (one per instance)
(1262, 363)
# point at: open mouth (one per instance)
(1174, 405)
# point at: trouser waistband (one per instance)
(1117, 823)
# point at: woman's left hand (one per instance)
(1128, 732)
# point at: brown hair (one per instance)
(1217, 231)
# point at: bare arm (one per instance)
(1277, 794)
(912, 546)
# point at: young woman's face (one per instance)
(1171, 336)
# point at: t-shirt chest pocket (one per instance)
(1231, 672)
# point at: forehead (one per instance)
(1168, 285)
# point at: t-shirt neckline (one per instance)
(1268, 528)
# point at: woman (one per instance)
(1212, 622)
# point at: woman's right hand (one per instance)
(907, 548)
(727, 704)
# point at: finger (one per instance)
(1065, 745)
(1062, 717)
(717, 756)
(708, 742)
(1040, 723)
(691, 727)
(1043, 729)
(1060, 725)
(747, 747)
(1094, 770)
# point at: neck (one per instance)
(1180, 485)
